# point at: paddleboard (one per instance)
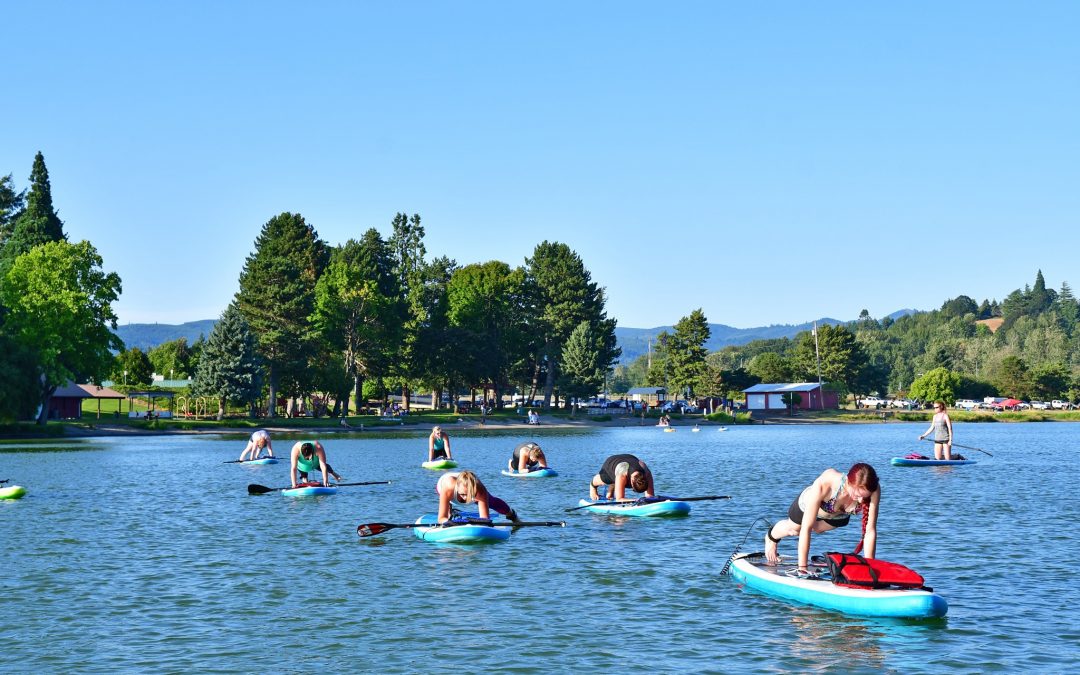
(458, 534)
(439, 464)
(650, 509)
(668, 429)
(753, 571)
(309, 490)
(264, 460)
(539, 473)
(12, 492)
(904, 461)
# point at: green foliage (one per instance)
(229, 370)
(842, 358)
(132, 367)
(11, 203)
(358, 308)
(689, 369)
(582, 372)
(562, 295)
(770, 367)
(172, 359)
(1013, 379)
(60, 309)
(277, 297)
(940, 384)
(38, 223)
(18, 371)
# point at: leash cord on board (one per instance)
(738, 548)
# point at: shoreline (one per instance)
(75, 430)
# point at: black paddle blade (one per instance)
(372, 529)
(255, 489)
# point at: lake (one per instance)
(147, 554)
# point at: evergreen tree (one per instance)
(582, 368)
(38, 223)
(277, 297)
(561, 296)
(689, 369)
(1068, 307)
(229, 368)
(11, 204)
(408, 250)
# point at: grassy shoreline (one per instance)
(110, 426)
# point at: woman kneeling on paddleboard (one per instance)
(307, 457)
(463, 487)
(618, 471)
(827, 505)
(527, 457)
(438, 445)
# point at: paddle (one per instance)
(966, 447)
(371, 529)
(254, 489)
(6, 480)
(242, 461)
(649, 500)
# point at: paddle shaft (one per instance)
(256, 489)
(651, 500)
(244, 461)
(957, 445)
(371, 529)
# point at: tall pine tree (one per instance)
(277, 296)
(11, 203)
(229, 368)
(38, 223)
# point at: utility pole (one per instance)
(817, 359)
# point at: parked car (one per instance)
(904, 403)
(966, 404)
(1040, 405)
(874, 402)
(1060, 405)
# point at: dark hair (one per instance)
(307, 449)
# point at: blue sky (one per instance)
(766, 162)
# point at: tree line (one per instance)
(1026, 346)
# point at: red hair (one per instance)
(863, 475)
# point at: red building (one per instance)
(811, 396)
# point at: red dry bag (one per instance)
(855, 571)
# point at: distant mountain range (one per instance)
(634, 341)
(146, 336)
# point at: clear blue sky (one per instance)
(767, 162)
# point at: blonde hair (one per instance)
(470, 483)
(436, 430)
(535, 453)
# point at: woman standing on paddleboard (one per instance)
(438, 445)
(618, 471)
(941, 427)
(463, 487)
(827, 505)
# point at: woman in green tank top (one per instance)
(307, 456)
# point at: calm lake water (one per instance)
(147, 554)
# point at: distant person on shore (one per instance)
(463, 487)
(619, 472)
(306, 457)
(438, 445)
(527, 457)
(941, 427)
(534, 417)
(826, 505)
(258, 441)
